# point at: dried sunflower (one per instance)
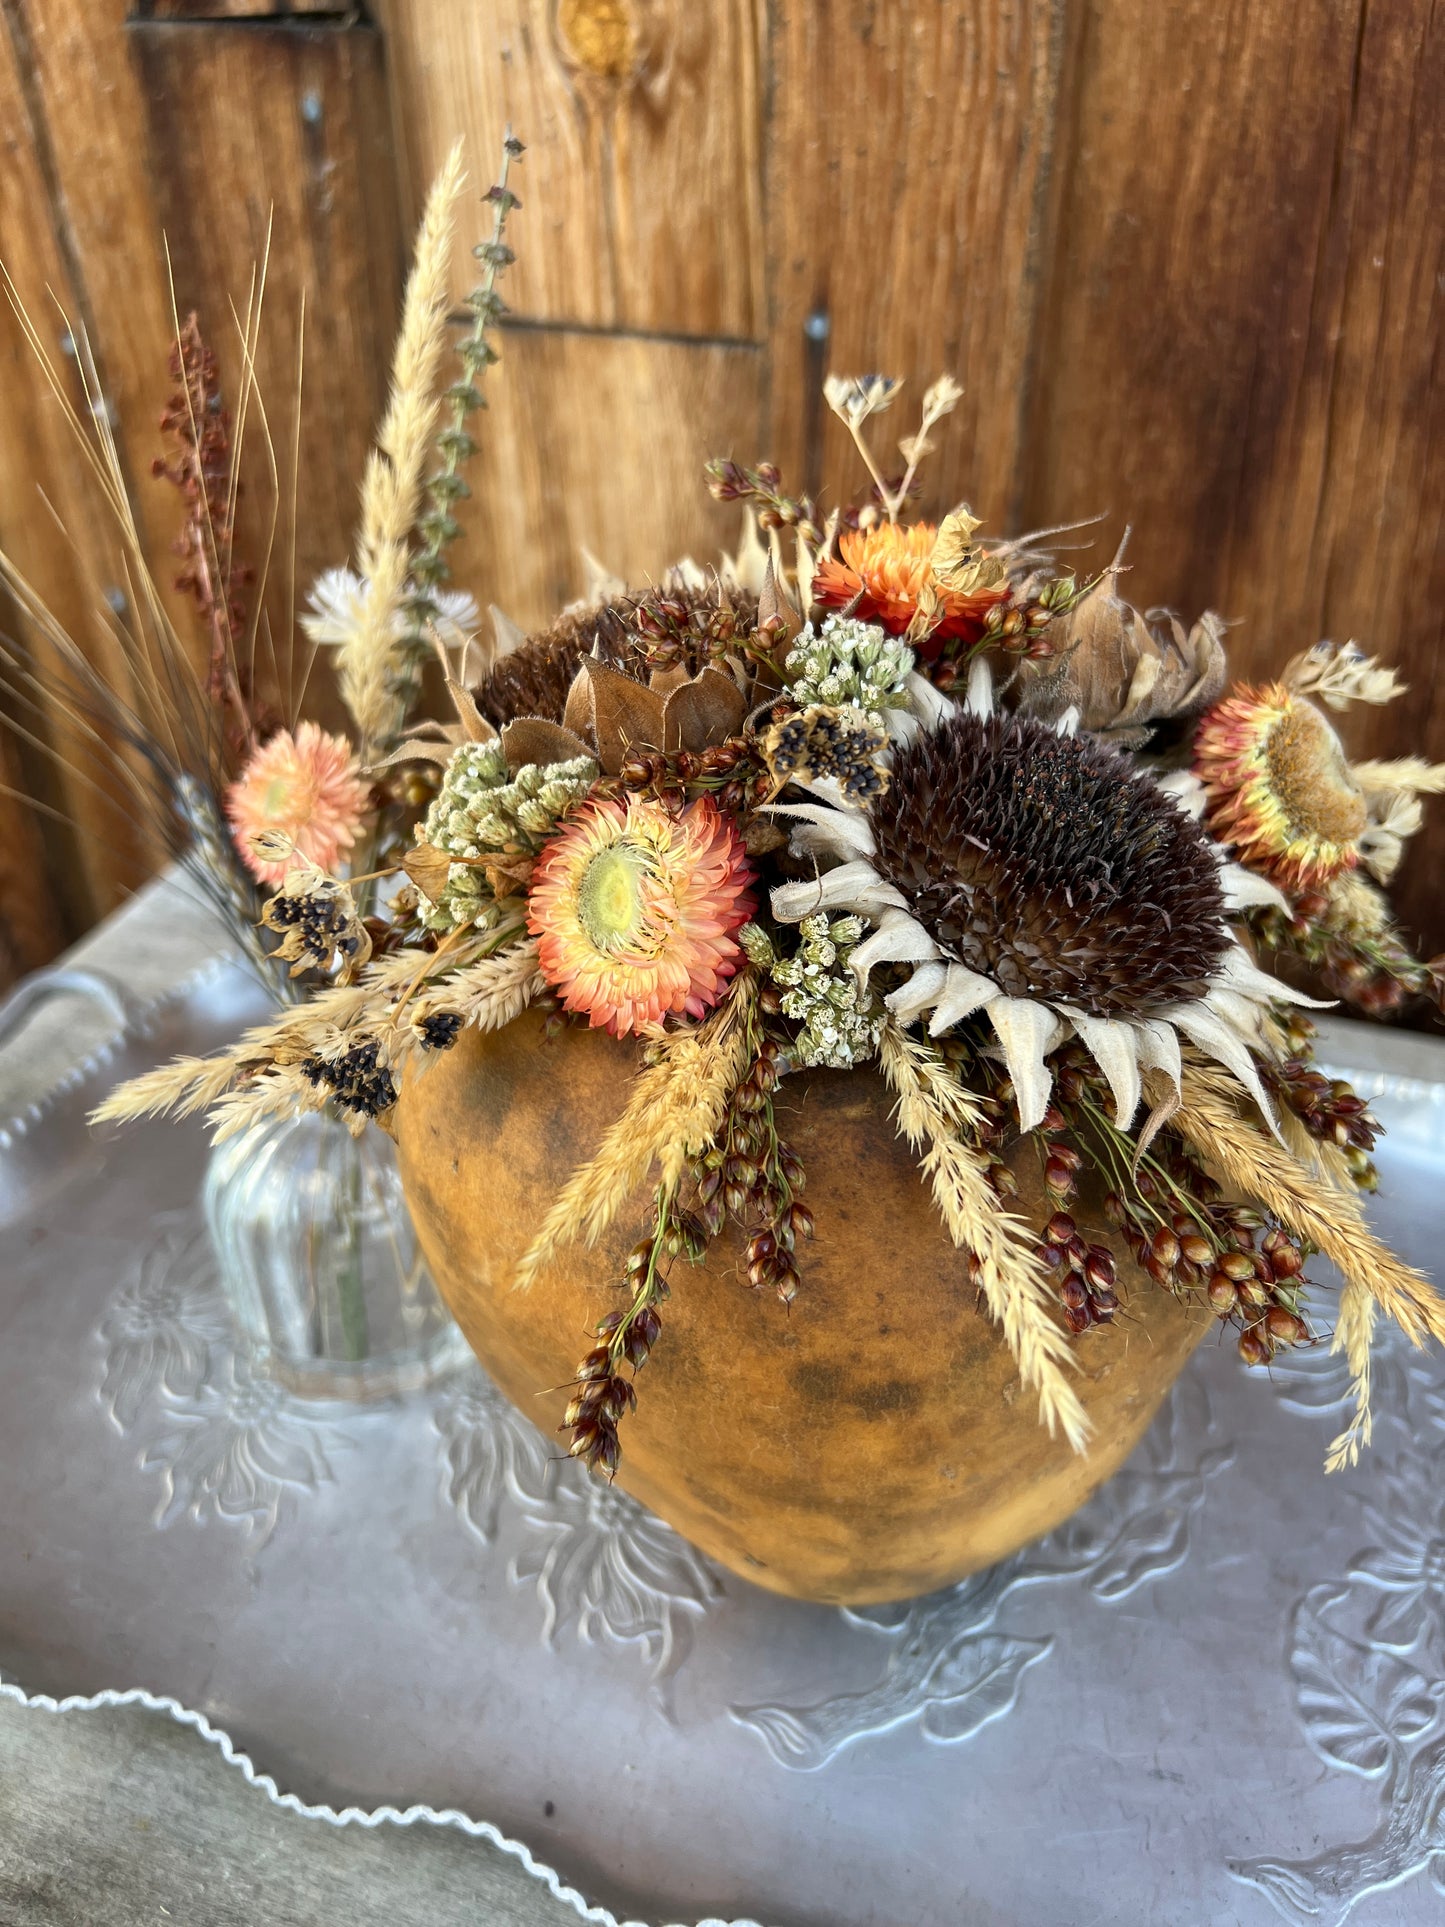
(1035, 876)
(1278, 788)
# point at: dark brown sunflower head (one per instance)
(674, 627)
(1043, 862)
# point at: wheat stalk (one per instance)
(191, 1084)
(372, 660)
(933, 1113)
(487, 995)
(1354, 1331)
(1327, 1218)
(672, 1114)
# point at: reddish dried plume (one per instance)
(197, 428)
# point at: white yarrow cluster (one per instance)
(849, 662)
(840, 1016)
(483, 809)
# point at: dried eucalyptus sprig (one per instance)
(445, 487)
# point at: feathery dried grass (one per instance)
(1354, 1331)
(371, 663)
(489, 994)
(191, 1084)
(282, 1092)
(934, 1113)
(1330, 1219)
(673, 1113)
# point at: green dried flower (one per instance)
(840, 1017)
(849, 662)
(484, 810)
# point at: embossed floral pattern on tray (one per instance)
(1367, 1650)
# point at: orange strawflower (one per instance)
(305, 787)
(637, 911)
(888, 569)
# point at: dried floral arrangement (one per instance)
(872, 791)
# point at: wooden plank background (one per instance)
(1185, 258)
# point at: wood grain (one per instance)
(51, 522)
(1240, 348)
(598, 441)
(906, 161)
(269, 144)
(641, 119)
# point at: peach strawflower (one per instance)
(637, 911)
(305, 786)
(888, 569)
(1278, 788)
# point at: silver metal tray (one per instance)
(1216, 1696)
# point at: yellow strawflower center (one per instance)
(610, 905)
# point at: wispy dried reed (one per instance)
(937, 1116)
(490, 993)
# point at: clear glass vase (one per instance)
(320, 1262)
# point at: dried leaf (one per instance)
(662, 682)
(1122, 673)
(625, 715)
(959, 565)
(423, 749)
(429, 869)
(704, 711)
(774, 604)
(532, 739)
(508, 875)
(474, 726)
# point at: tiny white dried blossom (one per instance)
(840, 1017)
(1339, 676)
(337, 604)
(847, 662)
(853, 398)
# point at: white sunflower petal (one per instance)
(1214, 1036)
(1249, 980)
(899, 938)
(852, 886)
(1157, 1044)
(821, 831)
(1243, 889)
(1241, 1013)
(979, 699)
(902, 726)
(1186, 789)
(1026, 1030)
(922, 990)
(1114, 1048)
(965, 992)
(930, 705)
(1068, 723)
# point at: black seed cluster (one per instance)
(1043, 862)
(439, 1030)
(327, 924)
(825, 742)
(358, 1080)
